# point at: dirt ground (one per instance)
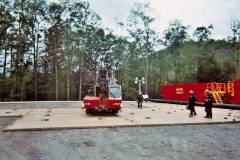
(200, 142)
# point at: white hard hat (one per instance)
(191, 92)
(206, 91)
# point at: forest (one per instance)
(45, 48)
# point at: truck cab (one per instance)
(115, 92)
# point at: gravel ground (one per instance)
(199, 142)
(202, 142)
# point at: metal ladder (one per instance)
(217, 96)
(217, 90)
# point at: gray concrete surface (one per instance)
(201, 142)
(52, 104)
(151, 114)
(40, 104)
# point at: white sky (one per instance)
(195, 13)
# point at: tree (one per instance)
(36, 11)
(203, 33)
(174, 37)
(6, 22)
(209, 70)
(54, 37)
(120, 55)
(203, 36)
(142, 35)
(235, 26)
(84, 21)
(20, 46)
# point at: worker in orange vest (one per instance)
(208, 104)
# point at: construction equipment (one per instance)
(101, 92)
(223, 93)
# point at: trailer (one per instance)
(223, 93)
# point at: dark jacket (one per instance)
(140, 98)
(191, 101)
(208, 101)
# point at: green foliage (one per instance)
(176, 34)
(203, 33)
(5, 88)
(174, 37)
(45, 47)
(235, 26)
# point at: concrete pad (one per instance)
(172, 116)
(152, 114)
(14, 112)
(64, 119)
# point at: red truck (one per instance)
(101, 92)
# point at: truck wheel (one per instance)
(115, 111)
(88, 111)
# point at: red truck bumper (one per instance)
(94, 103)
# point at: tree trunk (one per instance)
(146, 75)
(80, 77)
(21, 86)
(11, 71)
(176, 57)
(68, 84)
(4, 68)
(35, 67)
(238, 69)
(5, 63)
(35, 82)
(122, 74)
(56, 81)
(237, 60)
(69, 60)
(35, 48)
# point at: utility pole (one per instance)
(140, 82)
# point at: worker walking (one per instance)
(191, 103)
(140, 100)
(208, 104)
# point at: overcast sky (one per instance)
(220, 13)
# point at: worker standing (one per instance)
(191, 103)
(208, 104)
(140, 100)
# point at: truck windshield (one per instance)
(115, 92)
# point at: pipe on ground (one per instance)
(222, 106)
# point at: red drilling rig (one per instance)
(101, 92)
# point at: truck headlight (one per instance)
(116, 104)
(87, 103)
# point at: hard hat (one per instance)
(191, 91)
(206, 91)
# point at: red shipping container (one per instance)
(236, 99)
(180, 92)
